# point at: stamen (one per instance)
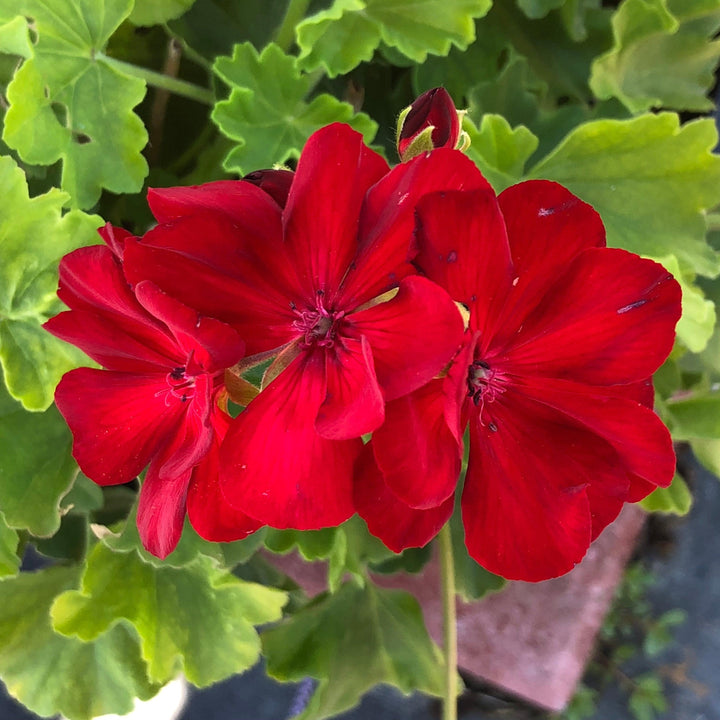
(318, 326)
(485, 384)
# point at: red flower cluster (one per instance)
(350, 277)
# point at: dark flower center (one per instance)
(182, 385)
(318, 325)
(484, 383)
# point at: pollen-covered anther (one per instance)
(318, 325)
(181, 385)
(484, 383)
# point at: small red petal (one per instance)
(276, 467)
(413, 336)
(396, 524)
(416, 450)
(353, 404)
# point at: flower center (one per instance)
(484, 383)
(318, 325)
(181, 385)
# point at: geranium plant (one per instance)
(263, 287)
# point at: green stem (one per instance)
(188, 51)
(449, 624)
(285, 35)
(156, 79)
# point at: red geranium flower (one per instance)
(156, 401)
(553, 380)
(305, 281)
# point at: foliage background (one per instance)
(103, 98)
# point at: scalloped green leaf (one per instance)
(675, 499)
(54, 674)
(341, 37)
(9, 539)
(70, 102)
(499, 150)
(36, 467)
(663, 55)
(156, 12)
(197, 618)
(539, 8)
(34, 235)
(266, 113)
(386, 639)
(697, 323)
(651, 181)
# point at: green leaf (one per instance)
(70, 542)
(311, 544)
(647, 699)
(198, 618)
(14, 38)
(266, 112)
(663, 55)
(84, 496)
(9, 560)
(472, 581)
(69, 102)
(707, 451)
(675, 499)
(696, 325)
(190, 547)
(36, 468)
(50, 673)
(341, 37)
(499, 150)
(649, 179)
(34, 235)
(157, 12)
(538, 8)
(659, 635)
(697, 416)
(386, 642)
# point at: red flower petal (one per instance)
(113, 346)
(91, 279)
(161, 509)
(637, 434)
(276, 183)
(274, 465)
(609, 319)
(464, 248)
(415, 449)
(208, 511)
(213, 344)
(525, 510)
(387, 518)
(242, 279)
(244, 203)
(386, 244)
(353, 404)
(413, 336)
(334, 172)
(119, 421)
(547, 226)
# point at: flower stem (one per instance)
(166, 82)
(285, 35)
(449, 624)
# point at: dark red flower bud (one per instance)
(276, 183)
(430, 122)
